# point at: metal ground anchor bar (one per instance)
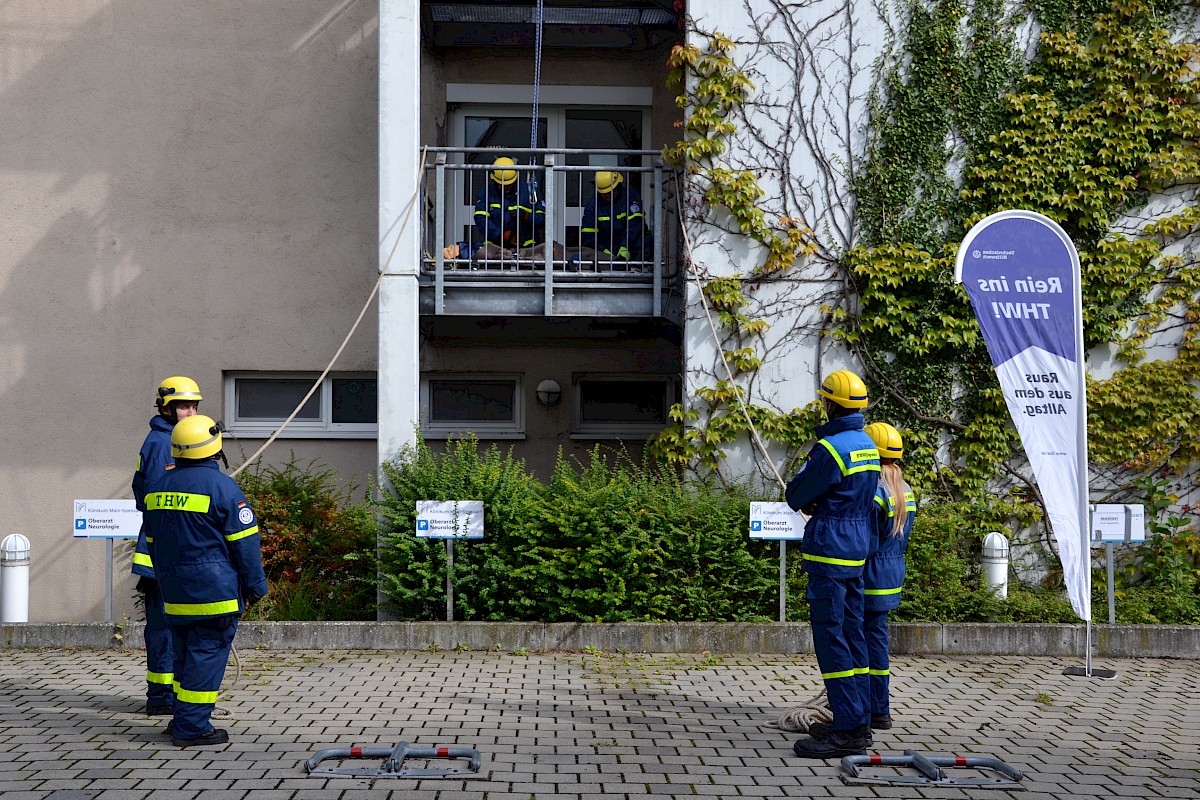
(931, 771)
(393, 761)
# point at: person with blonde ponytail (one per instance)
(883, 577)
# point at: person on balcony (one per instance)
(614, 222)
(511, 219)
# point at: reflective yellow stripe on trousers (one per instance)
(202, 609)
(199, 698)
(845, 673)
(165, 678)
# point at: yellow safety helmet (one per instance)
(607, 181)
(504, 176)
(844, 388)
(887, 440)
(196, 437)
(177, 387)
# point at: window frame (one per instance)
(448, 429)
(584, 431)
(323, 428)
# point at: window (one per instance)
(489, 406)
(621, 406)
(344, 406)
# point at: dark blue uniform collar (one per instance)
(187, 463)
(850, 422)
(160, 423)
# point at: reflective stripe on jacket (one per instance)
(616, 224)
(204, 541)
(837, 484)
(884, 574)
(510, 218)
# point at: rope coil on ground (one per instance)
(801, 718)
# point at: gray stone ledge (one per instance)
(952, 639)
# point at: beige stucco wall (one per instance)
(187, 188)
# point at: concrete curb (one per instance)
(957, 639)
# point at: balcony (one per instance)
(551, 267)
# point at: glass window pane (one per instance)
(623, 401)
(275, 399)
(354, 400)
(471, 401)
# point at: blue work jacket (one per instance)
(615, 223)
(508, 218)
(204, 541)
(884, 573)
(153, 460)
(836, 487)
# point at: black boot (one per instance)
(835, 745)
(823, 730)
(881, 722)
(214, 736)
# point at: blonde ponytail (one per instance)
(893, 480)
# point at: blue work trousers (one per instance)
(875, 626)
(160, 654)
(836, 612)
(201, 654)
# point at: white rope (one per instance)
(801, 718)
(412, 203)
(690, 262)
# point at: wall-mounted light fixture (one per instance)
(549, 392)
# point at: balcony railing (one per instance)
(560, 241)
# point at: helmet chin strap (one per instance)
(221, 455)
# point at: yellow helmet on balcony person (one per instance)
(607, 181)
(844, 388)
(504, 177)
(887, 440)
(197, 437)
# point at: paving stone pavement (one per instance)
(592, 725)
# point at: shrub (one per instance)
(318, 546)
(601, 543)
(945, 581)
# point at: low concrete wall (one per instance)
(1113, 641)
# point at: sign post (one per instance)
(107, 520)
(1112, 523)
(779, 522)
(449, 520)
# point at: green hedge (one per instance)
(599, 542)
(613, 541)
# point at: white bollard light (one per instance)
(14, 578)
(995, 563)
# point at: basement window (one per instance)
(343, 406)
(621, 406)
(487, 405)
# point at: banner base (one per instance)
(1104, 674)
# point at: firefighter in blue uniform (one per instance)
(614, 220)
(883, 577)
(177, 398)
(836, 488)
(205, 545)
(508, 215)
